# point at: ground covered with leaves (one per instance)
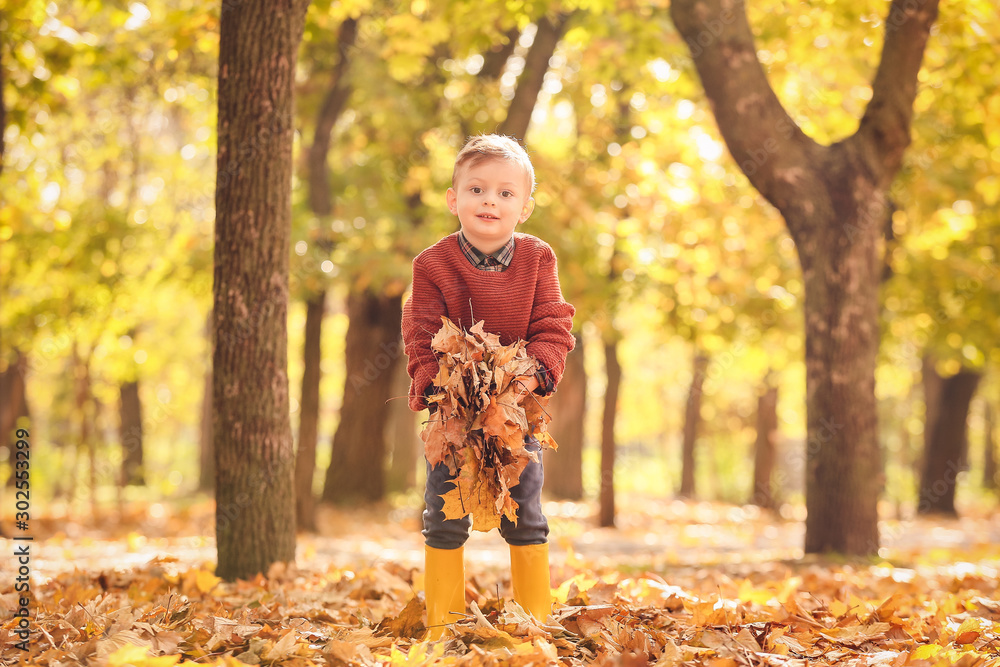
(146, 595)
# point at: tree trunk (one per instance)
(255, 458)
(373, 349)
(613, 370)
(131, 435)
(3, 113)
(320, 197)
(843, 459)
(321, 202)
(564, 475)
(495, 59)
(305, 458)
(834, 201)
(991, 481)
(13, 398)
(692, 423)
(85, 413)
(536, 64)
(932, 384)
(765, 448)
(945, 454)
(401, 430)
(206, 444)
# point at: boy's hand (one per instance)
(525, 385)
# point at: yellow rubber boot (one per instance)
(529, 574)
(444, 584)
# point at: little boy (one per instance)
(487, 272)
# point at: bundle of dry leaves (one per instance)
(479, 426)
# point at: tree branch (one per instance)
(333, 104)
(495, 59)
(763, 139)
(884, 130)
(536, 64)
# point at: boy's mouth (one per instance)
(487, 216)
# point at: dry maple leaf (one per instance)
(409, 623)
(479, 427)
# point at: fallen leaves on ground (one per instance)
(796, 614)
(478, 426)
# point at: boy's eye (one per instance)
(506, 193)
(476, 190)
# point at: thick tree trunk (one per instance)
(206, 444)
(833, 199)
(402, 432)
(692, 423)
(536, 64)
(568, 407)
(613, 369)
(373, 349)
(991, 480)
(946, 451)
(131, 435)
(766, 449)
(255, 458)
(305, 457)
(843, 459)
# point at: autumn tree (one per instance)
(943, 256)
(333, 100)
(833, 199)
(764, 494)
(98, 236)
(946, 439)
(255, 510)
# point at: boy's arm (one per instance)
(549, 332)
(421, 320)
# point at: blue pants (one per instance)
(531, 528)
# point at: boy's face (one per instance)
(490, 198)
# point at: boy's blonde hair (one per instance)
(497, 147)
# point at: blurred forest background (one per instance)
(686, 281)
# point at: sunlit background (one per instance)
(664, 248)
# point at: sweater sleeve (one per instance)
(549, 331)
(421, 320)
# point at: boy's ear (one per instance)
(452, 198)
(529, 206)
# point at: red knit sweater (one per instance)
(524, 302)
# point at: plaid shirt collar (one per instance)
(496, 261)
